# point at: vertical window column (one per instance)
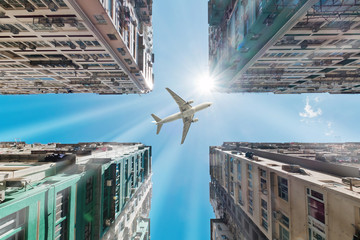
(316, 215)
(283, 188)
(62, 212)
(264, 214)
(250, 189)
(263, 182)
(284, 225)
(240, 200)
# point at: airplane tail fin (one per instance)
(156, 118)
(159, 125)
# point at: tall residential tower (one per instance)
(75, 191)
(285, 191)
(76, 46)
(293, 46)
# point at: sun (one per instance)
(205, 83)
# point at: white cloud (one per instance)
(309, 112)
(316, 99)
(329, 131)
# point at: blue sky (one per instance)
(180, 203)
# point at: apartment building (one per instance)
(75, 191)
(220, 230)
(76, 46)
(284, 47)
(261, 192)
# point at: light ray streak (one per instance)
(39, 128)
(167, 162)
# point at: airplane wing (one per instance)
(187, 123)
(183, 105)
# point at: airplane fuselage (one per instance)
(188, 113)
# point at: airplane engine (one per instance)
(190, 102)
(195, 120)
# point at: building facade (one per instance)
(220, 230)
(285, 46)
(75, 191)
(262, 192)
(76, 46)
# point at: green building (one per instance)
(75, 191)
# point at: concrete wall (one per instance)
(330, 168)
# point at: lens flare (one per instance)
(205, 83)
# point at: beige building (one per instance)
(76, 46)
(262, 195)
(220, 230)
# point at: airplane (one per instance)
(187, 113)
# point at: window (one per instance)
(263, 184)
(316, 215)
(263, 173)
(89, 190)
(100, 19)
(284, 233)
(232, 186)
(264, 224)
(285, 220)
(250, 184)
(316, 209)
(251, 203)
(263, 204)
(14, 225)
(231, 165)
(283, 188)
(239, 171)
(263, 181)
(62, 210)
(264, 214)
(240, 196)
(87, 231)
(249, 167)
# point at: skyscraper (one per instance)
(285, 191)
(76, 46)
(75, 191)
(284, 46)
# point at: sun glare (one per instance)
(205, 83)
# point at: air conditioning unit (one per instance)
(108, 222)
(15, 182)
(108, 183)
(2, 196)
(45, 22)
(29, 7)
(277, 215)
(53, 7)
(291, 168)
(73, 22)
